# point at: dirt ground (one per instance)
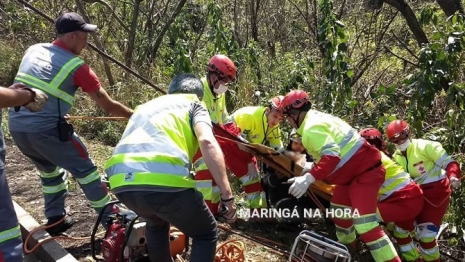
(26, 191)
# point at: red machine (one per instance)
(125, 240)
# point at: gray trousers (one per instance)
(52, 157)
(11, 244)
(186, 210)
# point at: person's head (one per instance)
(186, 83)
(374, 137)
(398, 133)
(221, 72)
(294, 106)
(273, 115)
(73, 30)
(295, 141)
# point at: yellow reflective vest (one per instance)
(157, 146)
(426, 161)
(253, 123)
(396, 177)
(216, 106)
(325, 135)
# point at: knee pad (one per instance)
(426, 230)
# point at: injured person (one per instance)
(277, 188)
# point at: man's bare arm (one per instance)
(14, 97)
(109, 105)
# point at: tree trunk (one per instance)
(451, 6)
(254, 6)
(132, 33)
(166, 27)
(99, 45)
(411, 19)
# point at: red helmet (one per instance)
(275, 102)
(223, 66)
(371, 133)
(397, 130)
(294, 99)
(374, 137)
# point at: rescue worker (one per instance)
(259, 124)
(435, 171)
(400, 198)
(11, 244)
(45, 137)
(346, 160)
(149, 170)
(221, 73)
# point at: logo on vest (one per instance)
(420, 167)
(129, 177)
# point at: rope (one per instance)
(95, 118)
(28, 251)
(316, 200)
(444, 200)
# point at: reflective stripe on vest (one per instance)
(157, 146)
(200, 165)
(396, 178)
(355, 147)
(390, 182)
(428, 178)
(53, 88)
(10, 234)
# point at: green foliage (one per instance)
(438, 74)
(332, 39)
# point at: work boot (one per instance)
(66, 224)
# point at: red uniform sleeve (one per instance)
(86, 79)
(325, 166)
(453, 170)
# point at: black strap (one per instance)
(59, 109)
(227, 200)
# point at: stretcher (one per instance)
(280, 162)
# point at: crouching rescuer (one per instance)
(149, 170)
(346, 160)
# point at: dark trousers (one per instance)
(186, 210)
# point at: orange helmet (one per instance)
(275, 102)
(223, 66)
(294, 99)
(374, 137)
(397, 130)
(177, 242)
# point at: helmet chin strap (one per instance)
(212, 85)
(296, 120)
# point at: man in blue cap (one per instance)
(45, 137)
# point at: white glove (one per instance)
(300, 184)
(306, 168)
(40, 98)
(454, 182)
